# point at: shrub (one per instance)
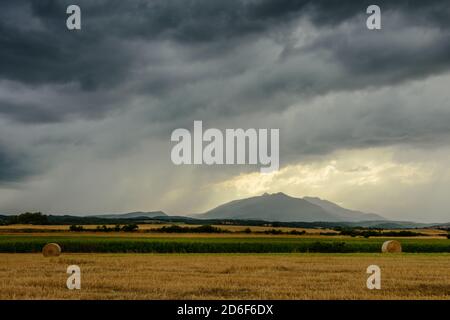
(403, 233)
(130, 227)
(117, 228)
(297, 233)
(274, 231)
(200, 229)
(208, 229)
(76, 228)
(103, 228)
(170, 229)
(378, 233)
(329, 234)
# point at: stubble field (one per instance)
(225, 276)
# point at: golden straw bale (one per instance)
(391, 246)
(51, 250)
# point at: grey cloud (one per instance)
(100, 55)
(198, 64)
(14, 167)
(414, 115)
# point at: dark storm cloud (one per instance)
(99, 55)
(13, 166)
(52, 55)
(175, 60)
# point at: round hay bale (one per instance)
(391, 246)
(51, 250)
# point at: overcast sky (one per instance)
(86, 116)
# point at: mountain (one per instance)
(342, 213)
(270, 207)
(284, 208)
(132, 215)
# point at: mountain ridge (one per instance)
(132, 215)
(282, 207)
(344, 213)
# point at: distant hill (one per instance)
(133, 215)
(342, 213)
(444, 225)
(284, 208)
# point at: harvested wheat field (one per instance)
(222, 276)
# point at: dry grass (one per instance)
(239, 276)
